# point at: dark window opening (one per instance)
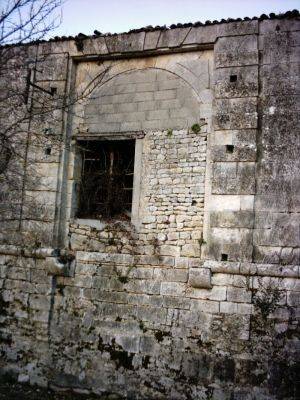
(53, 91)
(233, 78)
(48, 151)
(106, 184)
(224, 257)
(229, 148)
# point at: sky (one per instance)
(117, 16)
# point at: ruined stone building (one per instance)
(151, 249)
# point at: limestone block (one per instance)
(217, 293)
(39, 302)
(172, 288)
(190, 250)
(209, 34)
(172, 37)
(148, 345)
(52, 67)
(17, 273)
(227, 307)
(152, 314)
(104, 257)
(202, 34)
(235, 145)
(82, 281)
(200, 278)
(291, 271)
(206, 306)
(95, 45)
(181, 262)
(285, 236)
(236, 82)
(143, 286)
(67, 46)
(273, 219)
(230, 244)
(232, 219)
(176, 302)
(169, 250)
(238, 28)
(231, 202)
(293, 299)
(238, 295)
(283, 46)
(226, 279)
(291, 284)
(233, 178)
(284, 25)
(151, 40)
(276, 202)
(78, 242)
(280, 79)
(235, 113)
(40, 316)
(87, 269)
(170, 275)
(125, 42)
(236, 51)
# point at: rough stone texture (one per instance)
(278, 161)
(141, 100)
(200, 278)
(168, 306)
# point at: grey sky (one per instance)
(121, 15)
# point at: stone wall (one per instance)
(142, 100)
(198, 296)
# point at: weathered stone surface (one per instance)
(234, 145)
(151, 40)
(160, 307)
(233, 178)
(142, 100)
(283, 46)
(280, 79)
(236, 51)
(200, 278)
(236, 82)
(209, 34)
(271, 26)
(232, 219)
(231, 244)
(52, 67)
(172, 37)
(125, 42)
(236, 114)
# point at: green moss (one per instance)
(142, 327)
(123, 279)
(170, 132)
(196, 128)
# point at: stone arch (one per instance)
(141, 99)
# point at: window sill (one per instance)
(93, 223)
